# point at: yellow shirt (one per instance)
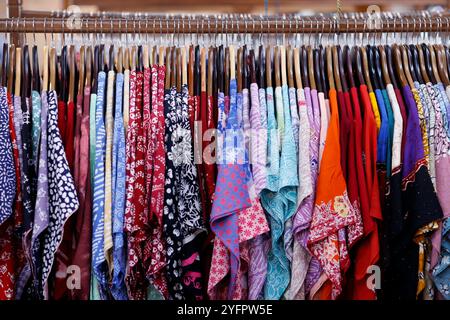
(376, 112)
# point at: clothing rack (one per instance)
(251, 24)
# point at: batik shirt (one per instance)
(63, 201)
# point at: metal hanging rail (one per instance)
(226, 24)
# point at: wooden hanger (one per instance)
(133, 58)
(298, 77)
(276, 63)
(447, 58)
(399, 65)
(36, 82)
(406, 68)
(261, 67)
(252, 66)
(119, 60)
(2, 65)
(378, 71)
(335, 65)
(161, 56)
(18, 71)
(88, 66)
(442, 64)
(95, 69)
(434, 65)
(173, 67)
(62, 86)
(349, 68)
(146, 56)
(290, 68)
(11, 66)
(191, 65)
(239, 70)
(140, 59)
(323, 68)
(268, 67)
(45, 70)
(210, 77)
(423, 69)
(245, 68)
(184, 72)
(358, 65)
(81, 69)
(284, 80)
(312, 80)
(330, 68)
(416, 62)
(126, 59)
(72, 73)
(390, 66)
(405, 51)
(341, 64)
(317, 71)
(415, 72)
(179, 69)
(220, 70)
(26, 74)
(197, 71)
(428, 63)
(365, 64)
(227, 71)
(304, 66)
(232, 63)
(384, 65)
(168, 68)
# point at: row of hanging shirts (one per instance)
(325, 160)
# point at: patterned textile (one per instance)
(7, 172)
(98, 254)
(182, 212)
(63, 201)
(119, 254)
(35, 123)
(333, 210)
